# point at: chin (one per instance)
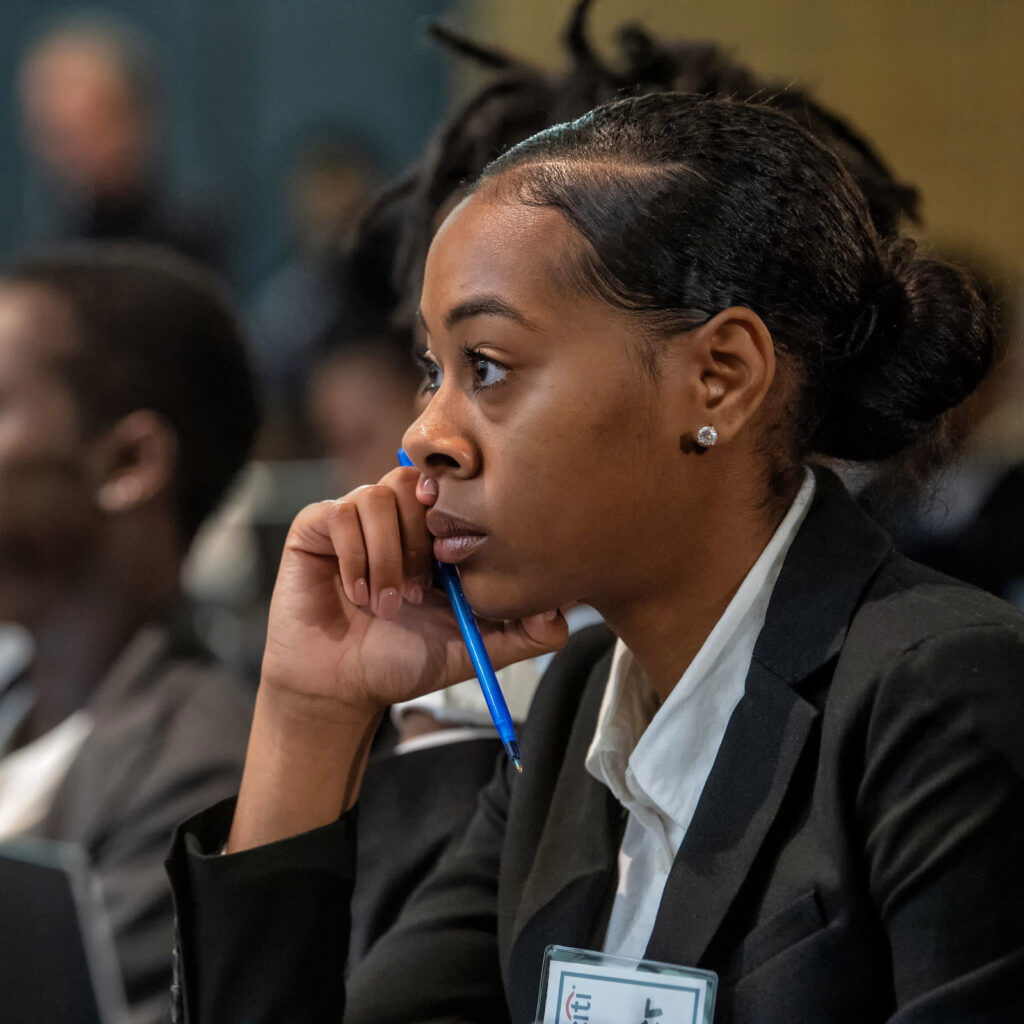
(505, 598)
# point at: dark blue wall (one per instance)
(244, 78)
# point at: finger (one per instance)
(426, 491)
(378, 516)
(308, 533)
(508, 642)
(548, 629)
(417, 543)
(344, 527)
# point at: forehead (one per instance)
(493, 245)
(70, 60)
(37, 330)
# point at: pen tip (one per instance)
(519, 765)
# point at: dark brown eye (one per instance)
(486, 372)
(432, 374)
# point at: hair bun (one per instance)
(920, 347)
(880, 320)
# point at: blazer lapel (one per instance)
(759, 752)
(566, 894)
(804, 628)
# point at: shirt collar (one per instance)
(635, 740)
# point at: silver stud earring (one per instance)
(707, 436)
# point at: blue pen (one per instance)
(449, 577)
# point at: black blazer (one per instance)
(856, 855)
(411, 806)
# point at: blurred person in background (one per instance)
(92, 117)
(329, 186)
(126, 408)
(361, 398)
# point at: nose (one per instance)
(438, 445)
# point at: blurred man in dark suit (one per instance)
(126, 408)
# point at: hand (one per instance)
(354, 624)
(353, 627)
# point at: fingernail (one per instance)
(389, 603)
(428, 486)
(414, 593)
(551, 615)
(361, 591)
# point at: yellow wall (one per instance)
(937, 84)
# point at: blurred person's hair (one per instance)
(522, 99)
(126, 47)
(387, 346)
(155, 331)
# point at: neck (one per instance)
(665, 626)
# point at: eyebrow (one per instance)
(484, 305)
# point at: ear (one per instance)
(135, 461)
(727, 367)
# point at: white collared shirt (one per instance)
(657, 760)
(31, 775)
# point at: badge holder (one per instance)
(579, 986)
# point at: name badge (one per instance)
(579, 986)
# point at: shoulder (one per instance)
(930, 660)
(912, 613)
(174, 743)
(196, 690)
(183, 712)
(185, 697)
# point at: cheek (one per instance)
(604, 449)
(45, 505)
(580, 466)
(570, 486)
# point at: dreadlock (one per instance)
(523, 99)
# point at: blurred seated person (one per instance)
(92, 119)
(360, 400)
(126, 408)
(328, 190)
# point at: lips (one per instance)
(455, 539)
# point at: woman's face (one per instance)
(557, 458)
